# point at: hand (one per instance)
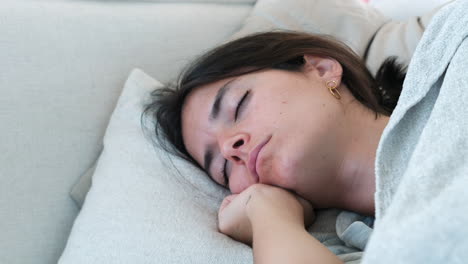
(232, 216)
(259, 203)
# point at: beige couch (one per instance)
(62, 66)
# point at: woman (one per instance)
(288, 122)
(286, 109)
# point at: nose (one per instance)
(234, 148)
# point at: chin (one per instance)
(285, 175)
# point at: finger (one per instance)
(229, 215)
(232, 205)
(227, 200)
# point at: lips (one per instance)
(253, 158)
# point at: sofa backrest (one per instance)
(63, 65)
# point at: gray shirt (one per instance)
(422, 158)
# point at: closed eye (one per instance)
(240, 104)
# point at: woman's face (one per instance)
(272, 127)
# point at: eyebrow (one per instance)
(214, 113)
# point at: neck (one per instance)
(356, 175)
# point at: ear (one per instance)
(326, 68)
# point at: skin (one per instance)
(321, 148)
(320, 152)
(273, 219)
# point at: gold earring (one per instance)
(332, 86)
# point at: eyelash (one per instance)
(240, 104)
(223, 171)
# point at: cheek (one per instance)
(286, 165)
(268, 113)
(287, 110)
(294, 155)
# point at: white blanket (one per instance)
(422, 158)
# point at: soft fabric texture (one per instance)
(354, 229)
(400, 10)
(248, 2)
(352, 21)
(81, 187)
(63, 64)
(140, 209)
(421, 164)
(363, 27)
(398, 38)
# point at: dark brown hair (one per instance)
(283, 50)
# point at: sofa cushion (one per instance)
(81, 187)
(401, 10)
(63, 64)
(245, 2)
(399, 38)
(352, 21)
(364, 27)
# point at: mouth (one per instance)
(253, 158)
